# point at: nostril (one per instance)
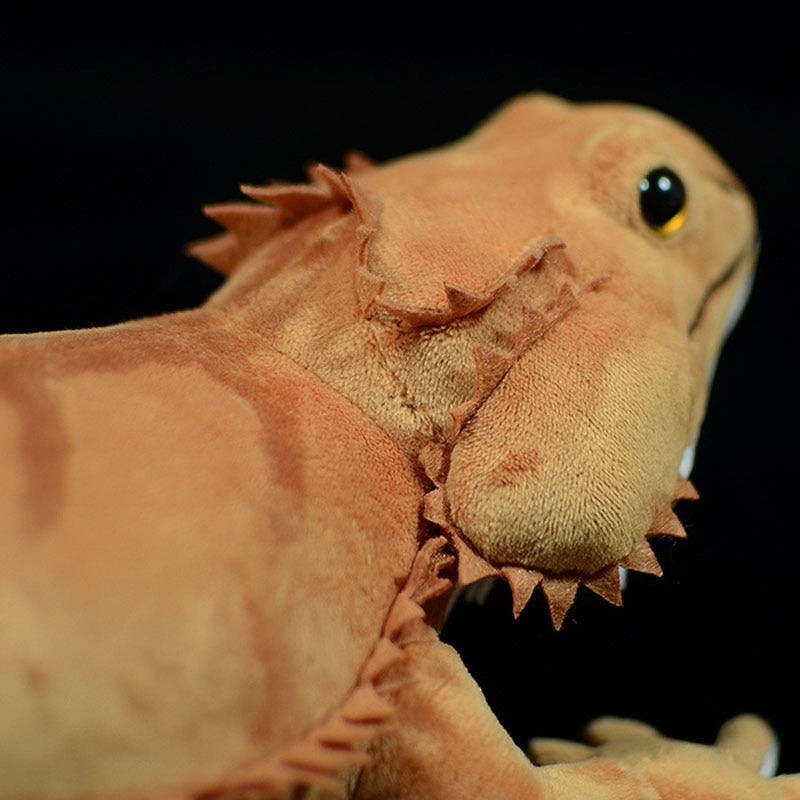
(729, 183)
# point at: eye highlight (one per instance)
(662, 200)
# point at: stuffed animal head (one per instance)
(535, 311)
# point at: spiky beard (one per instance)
(559, 588)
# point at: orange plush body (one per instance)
(229, 534)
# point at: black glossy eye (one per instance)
(662, 199)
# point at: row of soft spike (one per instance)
(279, 206)
(327, 750)
(559, 589)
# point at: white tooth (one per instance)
(738, 304)
(769, 764)
(687, 460)
(623, 578)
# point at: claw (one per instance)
(631, 759)
(751, 742)
(605, 730)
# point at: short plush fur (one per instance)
(229, 534)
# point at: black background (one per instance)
(112, 140)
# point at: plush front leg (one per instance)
(672, 770)
(446, 744)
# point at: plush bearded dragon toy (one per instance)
(229, 535)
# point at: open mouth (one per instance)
(747, 254)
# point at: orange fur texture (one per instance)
(228, 534)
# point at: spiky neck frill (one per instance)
(559, 588)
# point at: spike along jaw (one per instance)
(563, 470)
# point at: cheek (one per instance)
(574, 455)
